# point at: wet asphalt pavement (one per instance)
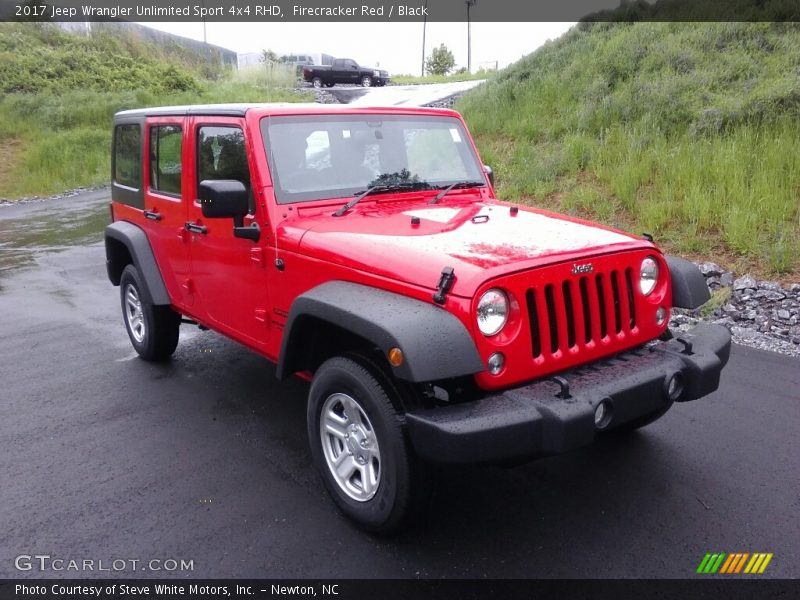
(104, 456)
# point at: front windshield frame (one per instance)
(470, 166)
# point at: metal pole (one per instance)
(205, 39)
(469, 4)
(424, 27)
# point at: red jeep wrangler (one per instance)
(363, 249)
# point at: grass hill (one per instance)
(689, 131)
(58, 92)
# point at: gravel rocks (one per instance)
(67, 194)
(745, 283)
(448, 102)
(323, 97)
(760, 314)
(709, 269)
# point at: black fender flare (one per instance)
(141, 253)
(689, 289)
(436, 345)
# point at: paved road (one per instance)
(104, 456)
(400, 95)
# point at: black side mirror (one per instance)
(490, 173)
(223, 198)
(227, 198)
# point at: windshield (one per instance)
(332, 156)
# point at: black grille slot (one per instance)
(631, 307)
(536, 339)
(617, 301)
(551, 317)
(566, 289)
(601, 299)
(587, 312)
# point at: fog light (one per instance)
(495, 363)
(602, 415)
(675, 385)
(661, 315)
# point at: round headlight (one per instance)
(648, 275)
(492, 312)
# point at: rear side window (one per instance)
(165, 158)
(128, 155)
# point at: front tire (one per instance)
(153, 330)
(366, 81)
(359, 448)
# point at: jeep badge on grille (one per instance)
(579, 269)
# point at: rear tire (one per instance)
(316, 82)
(357, 440)
(153, 330)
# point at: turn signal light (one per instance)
(396, 357)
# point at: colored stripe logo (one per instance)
(734, 563)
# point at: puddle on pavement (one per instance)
(23, 238)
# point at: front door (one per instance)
(351, 68)
(228, 273)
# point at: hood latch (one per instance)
(445, 283)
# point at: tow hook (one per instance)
(687, 345)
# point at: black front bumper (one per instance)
(555, 415)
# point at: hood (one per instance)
(479, 240)
(383, 72)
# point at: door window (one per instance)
(127, 155)
(221, 154)
(165, 159)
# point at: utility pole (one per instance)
(470, 4)
(424, 27)
(203, 4)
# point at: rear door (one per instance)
(228, 273)
(165, 198)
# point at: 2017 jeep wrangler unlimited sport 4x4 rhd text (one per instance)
(363, 249)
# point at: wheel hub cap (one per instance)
(134, 313)
(350, 447)
(358, 443)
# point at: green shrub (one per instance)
(690, 129)
(59, 93)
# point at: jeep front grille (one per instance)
(580, 312)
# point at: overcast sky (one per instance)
(396, 47)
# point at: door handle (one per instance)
(152, 215)
(195, 228)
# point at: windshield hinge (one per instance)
(445, 283)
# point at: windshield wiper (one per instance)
(457, 184)
(356, 199)
(396, 187)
